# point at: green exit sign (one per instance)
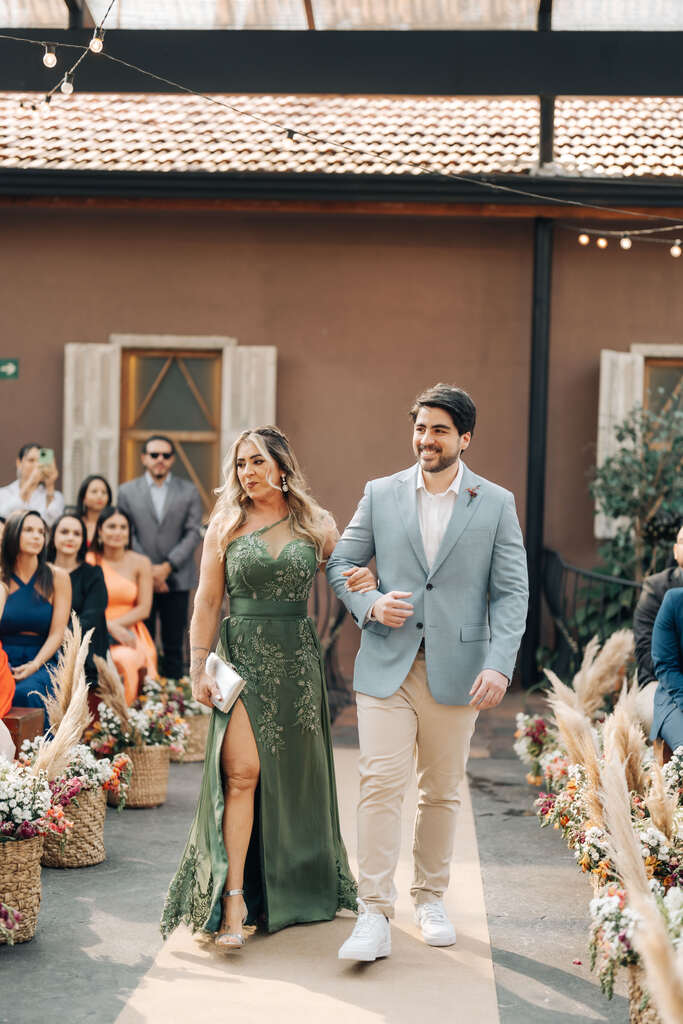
(9, 369)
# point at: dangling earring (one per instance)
(285, 488)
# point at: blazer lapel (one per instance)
(406, 497)
(146, 497)
(463, 511)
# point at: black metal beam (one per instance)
(537, 443)
(418, 63)
(27, 182)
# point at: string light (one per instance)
(96, 44)
(67, 84)
(49, 57)
(601, 243)
(584, 239)
(625, 242)
(675, 249)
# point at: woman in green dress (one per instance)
(265, 845)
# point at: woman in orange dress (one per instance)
(6, 677)
(128, 576)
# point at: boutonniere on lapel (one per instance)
(472, 493)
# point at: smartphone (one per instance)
(46, 456)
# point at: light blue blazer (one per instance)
(470, 607)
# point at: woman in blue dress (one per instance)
(37, 608)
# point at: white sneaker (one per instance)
(370, 938)
(432, 918)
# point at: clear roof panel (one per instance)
(618, 15)
(605, 15)
(33, 14)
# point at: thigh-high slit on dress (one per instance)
(296, 867)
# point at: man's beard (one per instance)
(442, 462)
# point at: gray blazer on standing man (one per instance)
(166, 513)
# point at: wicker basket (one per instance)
(149, 781)
(195, 744)
(637, 995)
(20, 883)
(84, 842)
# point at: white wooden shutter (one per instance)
(92, 385)
(622, 382)
(249, 390)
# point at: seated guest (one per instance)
(667, 658)
(67, 549)
(649, 603)
(37, 609)
(6, 677)
(34, 488)
(94, 495)
(128, 576)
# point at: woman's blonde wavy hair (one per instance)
(307, 519)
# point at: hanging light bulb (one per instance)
(49, 57)
(625, 242)
(584, 239)
(601, 243)
(675, 249)
(67, 84)
(96, 44)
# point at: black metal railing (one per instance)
(583, 604)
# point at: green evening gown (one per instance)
(296, 868)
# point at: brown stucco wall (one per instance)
(601, 299)
(364, 312)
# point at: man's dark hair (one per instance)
(26, 448)
(456, 402)
(158, 437)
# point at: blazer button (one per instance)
(419, 625)
(430, 586)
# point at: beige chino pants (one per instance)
(395, 731)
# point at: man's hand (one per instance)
(161, 572)
(360, 580)
(391, 610)
(27, 488)
(489, 689)
(50, 475)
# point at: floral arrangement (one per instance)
(611, 936)
(176, 693)
(533, 740)
(9, 919)
(27, 807)
(152, 723)
(84, 772)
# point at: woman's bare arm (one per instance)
(145, 594)
(61, 609)
(207, 608)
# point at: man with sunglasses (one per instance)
(166, 513)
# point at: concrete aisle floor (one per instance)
(98, 950)
(295, 975)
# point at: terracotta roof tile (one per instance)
(390, 135)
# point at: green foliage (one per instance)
(641, 487)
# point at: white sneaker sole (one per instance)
(384, 950)
(446, 940)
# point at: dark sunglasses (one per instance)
(160, 455)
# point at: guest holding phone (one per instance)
(34, 488)
(37, 609)
(67, 550)
(128, 577)
(94, 495)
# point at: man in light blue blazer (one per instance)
(440, 635)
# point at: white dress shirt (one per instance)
(435, 511)
(10, 501)
(158, 493)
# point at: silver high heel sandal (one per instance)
(232, 940)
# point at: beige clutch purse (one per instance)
(228, 682)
